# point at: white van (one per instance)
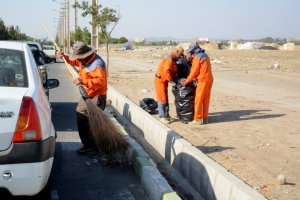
(50, 51)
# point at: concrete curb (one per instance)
(152, 181)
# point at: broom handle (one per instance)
(81, 89)
(58, 49)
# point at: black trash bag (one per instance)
(149, 105)
(183, 68)
(184, 101)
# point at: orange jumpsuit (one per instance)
(93, 74)
(166, 71)
(201, 70)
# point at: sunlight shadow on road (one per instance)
(239, 115)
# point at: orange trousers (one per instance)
(202, 98)
(161, 88)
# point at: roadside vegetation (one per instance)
(11, 32)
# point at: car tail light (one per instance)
(28, 125)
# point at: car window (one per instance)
(12, 69)
(33, 46)
(48, 48)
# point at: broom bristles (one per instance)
(107, 135)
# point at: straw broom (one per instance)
(108, 137)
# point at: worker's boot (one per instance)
(165, 120)
(84, 134)
(205, 120)
(196, 122)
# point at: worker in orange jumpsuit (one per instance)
(165, 73)
(92, 76)
(201, 71)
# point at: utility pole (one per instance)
(65, 32)
(94, 32)
(65, 35)
(76, 12)
(61, 30)
(68, 34)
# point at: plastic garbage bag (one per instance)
(149, 105)
(184, 101)
(183, 68)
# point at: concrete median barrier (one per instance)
(207, 177)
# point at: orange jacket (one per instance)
(93, 75)
(167, 68)
(201, 69)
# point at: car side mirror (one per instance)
(48, 60)
(52, 83)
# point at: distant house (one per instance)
(203, 40)
(139, 40)
(233, 45)
(289, 46)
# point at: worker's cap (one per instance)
(193, 47)
(179, 49)
(81, 51)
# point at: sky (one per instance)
(181, 19)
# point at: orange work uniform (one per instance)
(166, 71)
(201, 70)
(93, 75)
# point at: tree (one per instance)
(106, 18)
(86, 35)
(3, 31)
(103, 18)
(78, 34)
(81, 35)
(123, 40)
(11, 32)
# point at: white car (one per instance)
(27, 135)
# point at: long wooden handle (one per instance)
(68, 66)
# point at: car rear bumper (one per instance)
(25, 169)
(26, 178)
(30, 152)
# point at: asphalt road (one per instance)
(78, 177)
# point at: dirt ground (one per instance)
(254, 128)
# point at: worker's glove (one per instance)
(78, 81)
(172, 83)
(184, 83)
(60, 53)
(83, 93)
(194, 83)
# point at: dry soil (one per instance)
(254, 128)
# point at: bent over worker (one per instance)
(165, 73)
(201, 71)
(92, 76)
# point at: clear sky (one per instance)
(181, 19)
